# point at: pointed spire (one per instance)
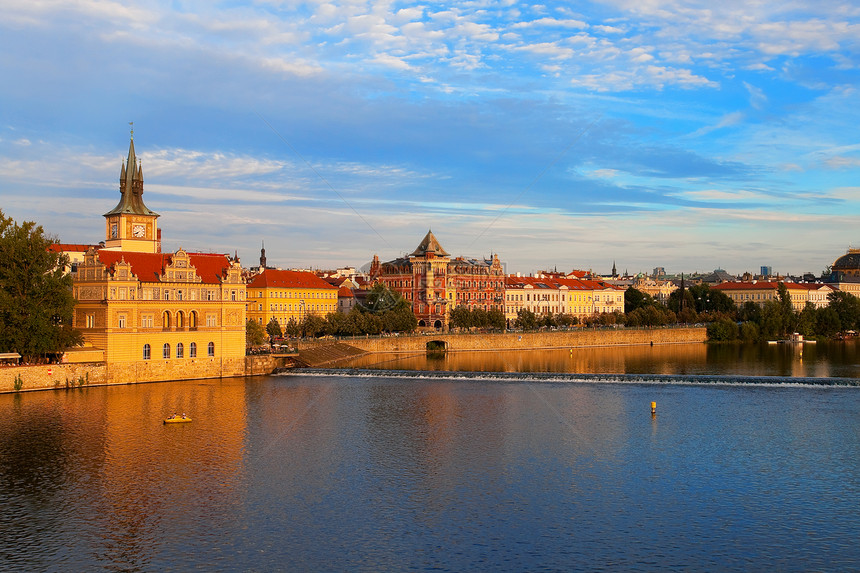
(131, 187)
(429, 245)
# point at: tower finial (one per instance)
(131, 123)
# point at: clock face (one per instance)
(138, 231)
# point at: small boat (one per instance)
(177, 419)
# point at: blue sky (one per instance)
(684, 134)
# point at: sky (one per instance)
(691, 135)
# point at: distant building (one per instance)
(759, 292)
(658, 289)
(285, 295)
(434, 283)
(767, 271)
(848, 264)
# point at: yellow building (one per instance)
(162, 315)
(759, 292)
(283, 295)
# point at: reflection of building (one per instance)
(435, 284)
(169, 316)
(283, 295)
(760, 292)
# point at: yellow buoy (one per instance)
(653, 407)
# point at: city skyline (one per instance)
(682, 135)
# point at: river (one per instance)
(743, 467)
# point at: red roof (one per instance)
(70, 248)
(149, 267)
(344, 292)
(273, 278)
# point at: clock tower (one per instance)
(131, 226)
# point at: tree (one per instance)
(847, 308)
(526, 319)
(254, 333)
(635, 298)
(274, 329)
(707, 299)
(36, 300)
(723, 330)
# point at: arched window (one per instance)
(165, 320)
(147, 352)
(211, 349)
(192, 350)
(180, 350)
(165, 351)
(180, 319)
(192, 319)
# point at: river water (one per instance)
(368, 470)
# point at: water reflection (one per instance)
(311, 472)
(825, 359)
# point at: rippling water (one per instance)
(334, 471)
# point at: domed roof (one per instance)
(848, 261)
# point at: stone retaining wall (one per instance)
(532, 340)
(46, 377)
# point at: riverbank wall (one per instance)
(472, 342)
(56, 376)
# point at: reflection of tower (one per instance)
(263, 256)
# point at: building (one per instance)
(163, 315)
(553, 294)
(759, 292)
(847, 265)
(285, 295)
(659, 290)
(434, 283)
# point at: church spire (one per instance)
(131, 187)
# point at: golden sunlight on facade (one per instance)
(285, 295)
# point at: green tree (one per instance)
(36, 300)
(496, 319)
(254, 333)
(709, 300)
(274, 329)
(723, 329)
(635, 299)
(526, 319)
(847, 308)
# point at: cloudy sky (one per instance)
(685, 134)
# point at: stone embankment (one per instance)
(328, 354)
(533, 340)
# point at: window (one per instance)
(165, 351)
(232, 295)
(211, 320)
(179, 294)
(192, 319)
(165, 320)
(146, 321)
(211, 349)
(180, 319)
(146, 352)
(91, 321)
(121, 321)
(192, 350)
(180, 350)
